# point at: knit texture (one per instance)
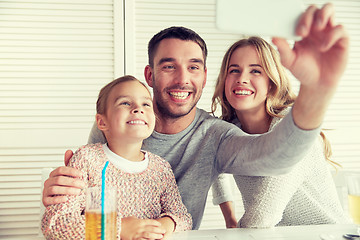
(150, 194)
(304, 196)
(210, 146)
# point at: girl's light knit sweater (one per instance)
(150, 194)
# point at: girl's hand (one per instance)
(141, 229)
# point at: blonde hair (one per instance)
(280, 95)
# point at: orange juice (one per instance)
(354, 208)
(93, 225)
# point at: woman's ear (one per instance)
(101, 122)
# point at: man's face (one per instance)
(178, 77)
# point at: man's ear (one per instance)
(148, 72)
(101, 122)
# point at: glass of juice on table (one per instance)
(100, 214)
(353, 185)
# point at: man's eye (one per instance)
(169, 67)
(194, 67)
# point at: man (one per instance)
(200, 147)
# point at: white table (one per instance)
(311, 232)
(278, 233)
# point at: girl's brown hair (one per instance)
(101, 104)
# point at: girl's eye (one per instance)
(147, 105)
(125, 103)
(255, 71)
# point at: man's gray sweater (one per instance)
(210, 146)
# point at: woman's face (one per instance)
(246, 83)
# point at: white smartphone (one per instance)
(265, 18)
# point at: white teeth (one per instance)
(243, 92)
(179, 95)
(137, 122)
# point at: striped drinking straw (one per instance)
(103, 201)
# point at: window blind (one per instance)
(54, 58)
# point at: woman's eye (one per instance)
(255, 71)
(234, 71)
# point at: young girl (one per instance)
(254, 93)
(149, 203)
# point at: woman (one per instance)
(254, 93)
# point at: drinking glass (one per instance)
(94, 214)
(353, 186)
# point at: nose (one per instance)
(243, 79)
(138, 109)
(182, 76)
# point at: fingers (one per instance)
(61, 182)
(56, 194)
(134, 228)
(315, 19)
(56, 185)
(67, 157)
(286, 54)
(336, 36)
(51, 200)
(64, 177)
(152, 222)
(305, 22)
(331, 34)
(151, 232)
(66, 171)
(323, 17)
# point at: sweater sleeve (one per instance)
(171, 203)
(222, 190)
(67, 220)
(272, 153)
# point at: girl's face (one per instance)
(246, 83)
(130, 113)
